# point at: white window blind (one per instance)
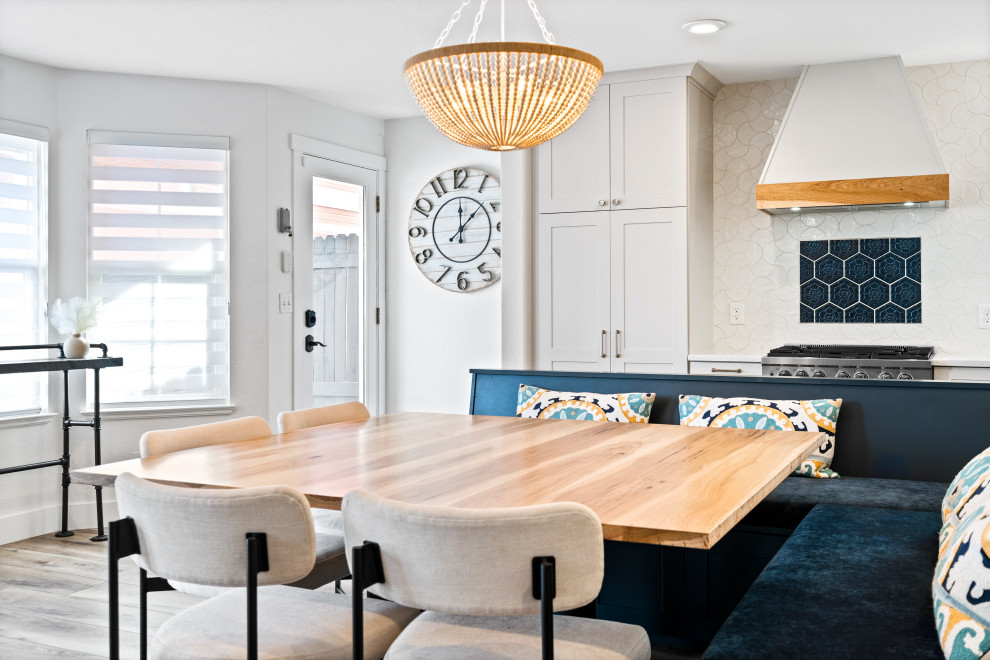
(23, 260)
(158, 217)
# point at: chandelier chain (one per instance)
(453, 19)
(539, 20)
(477, 21)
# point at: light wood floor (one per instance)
(53, 601)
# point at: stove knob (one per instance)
(818, 374)
(904, 376)
(802, 373)
(843, 374)
(861, 374)
(783, 372)
(885, 376)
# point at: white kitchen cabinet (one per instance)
(614, 291)
(624, 233)
(628, 150)
(724, 365)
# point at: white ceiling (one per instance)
(351, 52)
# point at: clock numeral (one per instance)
(497, 251)
(424, 256)
(483, 181)
(495, 206)
(438, 188)
(443, 274)
(424, 206)
(498, 226)
(459, 183)
(417, 232)
(490, 274)
(463, 282)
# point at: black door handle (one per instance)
(311, 343)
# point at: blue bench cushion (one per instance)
(791, 501)
(850, 582)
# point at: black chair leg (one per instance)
(548, 583)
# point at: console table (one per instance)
(65, 365)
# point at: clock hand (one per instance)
(460, 215)
(470, 218)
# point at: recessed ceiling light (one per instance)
(704, 26)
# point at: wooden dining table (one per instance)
(648, 483)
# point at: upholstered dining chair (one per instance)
(235, 538)
(331, 560)
(293, 420)
(489, 580)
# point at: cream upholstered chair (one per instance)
(489, 579)
(331, 560)
(235, 538)
(293, 420)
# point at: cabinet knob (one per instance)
(615, 202)
(602, 202)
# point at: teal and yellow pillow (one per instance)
(961, 587)
(538, 403)
(746, 413)
(968, 490)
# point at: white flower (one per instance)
(75, 316)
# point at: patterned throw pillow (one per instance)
(969, 490)
(538, 403)
(745, 413)
(961, 587)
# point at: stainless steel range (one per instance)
(843, 361)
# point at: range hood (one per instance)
(853, 138)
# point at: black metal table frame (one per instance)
(67, 422)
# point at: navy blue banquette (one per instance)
(823, 567)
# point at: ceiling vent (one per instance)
(853, 138)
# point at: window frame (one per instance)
(41, 134)
(136, 407)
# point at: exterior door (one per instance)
(574, 292)
(649, 291)
(574, 165)
(336, 287)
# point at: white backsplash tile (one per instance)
(756, 255)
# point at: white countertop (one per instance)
(960, 362)
(726, 358)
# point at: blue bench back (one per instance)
(924, 430)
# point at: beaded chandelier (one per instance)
(502, 95)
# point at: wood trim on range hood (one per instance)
(853, 137)
(812, 195)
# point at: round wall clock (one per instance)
(455, 230)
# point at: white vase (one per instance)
(75, 347)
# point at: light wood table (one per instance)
(649, 483)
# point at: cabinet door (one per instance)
(574, 165)
(573, 294)
(649, 144)
(649, 291)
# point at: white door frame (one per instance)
(375, 363)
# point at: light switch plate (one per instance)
(285, 303)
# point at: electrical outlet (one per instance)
(737, 314)
(984, 320)
(285, 303)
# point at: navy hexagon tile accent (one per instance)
(869, 280)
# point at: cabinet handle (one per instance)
(604, 340)
(617, 354)
(716, 370)
(602, 202)
(615, 202)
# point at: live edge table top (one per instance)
(648, 483)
